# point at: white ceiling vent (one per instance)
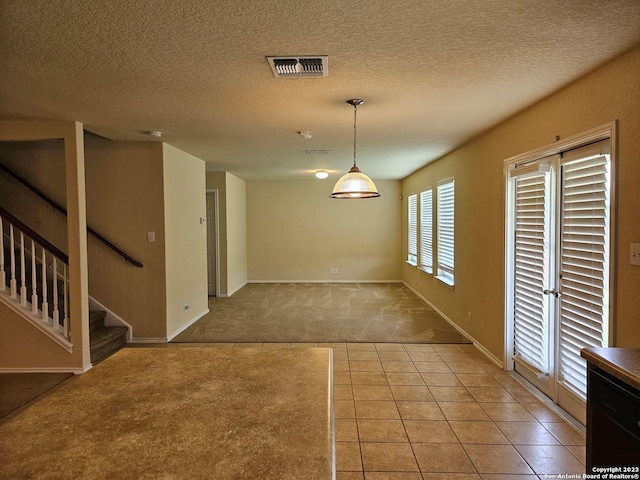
(309, 66)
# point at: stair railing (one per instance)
(62, 210)
(23, 245)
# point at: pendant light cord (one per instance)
(355, 131)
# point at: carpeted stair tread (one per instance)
(106, 340)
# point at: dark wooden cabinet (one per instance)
(613, 422)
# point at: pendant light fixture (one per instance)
(355, 184)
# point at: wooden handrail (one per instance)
(33, 235)
(62, 210)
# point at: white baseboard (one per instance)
(325, 281)
(74, 370)
(148, 340)
(495, 360)
(187, 325)
(476, 344)
(111, 320)
(228, 294)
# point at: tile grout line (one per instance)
(355, 413)
(444, 416)
(395, 402)
(402, 419)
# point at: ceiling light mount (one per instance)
(154, 134)
(355, 102)
(355, 184)
(322, 174)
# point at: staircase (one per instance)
(104, 340)
(29, 287)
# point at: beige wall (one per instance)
(185, 240)
(124, 202)
(611, 92)
(42, 164)
(23, 346)
(296, 232)
(236, 207)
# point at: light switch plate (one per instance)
(635, 254)
(151, 236)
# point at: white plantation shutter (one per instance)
(446, 234)
(584, 258)
(426, 230)
(531, 269)
(413, 229)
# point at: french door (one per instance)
(558, 247)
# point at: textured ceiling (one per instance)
(432, 73)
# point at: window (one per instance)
(412, 257)
(445, 216)
(426, 230)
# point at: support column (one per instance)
(77, 243)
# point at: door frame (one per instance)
(216, 237)
(608, 130)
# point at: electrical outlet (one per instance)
(151, 236)
(635, 254)
(333, 271)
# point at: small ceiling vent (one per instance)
(316, 152)
(310, 66)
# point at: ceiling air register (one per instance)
(295, 67)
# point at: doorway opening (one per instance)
(213, 249)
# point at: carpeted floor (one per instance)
(294, 312)
(17, 389)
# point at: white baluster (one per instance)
(45, 303)
(13, 282)
(65, 320)
(34, 279)
(3, 275)
(23, 274)
(56, 312)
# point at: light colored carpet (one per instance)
(295, 312)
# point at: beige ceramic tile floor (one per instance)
(412, 412)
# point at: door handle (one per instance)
(552, 292)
